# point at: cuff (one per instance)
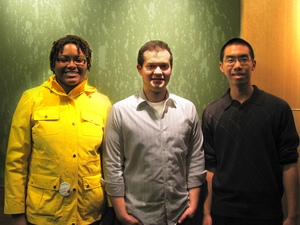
(113, 189)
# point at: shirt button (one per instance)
(87, 186)
(73, 223)
(74, 156)
(74, 189)
(46, 116)
(73, 123)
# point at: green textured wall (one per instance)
(115, 29)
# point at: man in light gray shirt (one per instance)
(153, 155)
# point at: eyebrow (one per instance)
(231, 56)
(160, 63)
(74, 56)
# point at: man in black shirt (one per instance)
(250, 144)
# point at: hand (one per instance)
(189, 213)
(129, 220)
(19, 220)
(291, 221)
(207, 220)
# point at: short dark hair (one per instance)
(236, 41)
(58, 47)
(155, 45)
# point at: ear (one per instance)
(221, 67)
(253, 65)
(139, 68)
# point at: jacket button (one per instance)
(74, 156)
(87, 186)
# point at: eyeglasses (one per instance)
(66, 60)
(232, 60)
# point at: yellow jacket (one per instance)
(56, 138)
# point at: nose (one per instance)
(237, 64)
(158, 70)
(71, 63)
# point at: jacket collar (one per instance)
(53, 86)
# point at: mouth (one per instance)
(238, 75)
(157, 79)
(71, 73)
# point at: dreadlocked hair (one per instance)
(80, 43)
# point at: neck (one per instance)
(241, 94)
(155, 96)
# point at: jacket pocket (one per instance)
(92, 124)
(42, 197)
(93, 198)
(46, 121)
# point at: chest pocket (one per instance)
(46, 121)
(92, 124)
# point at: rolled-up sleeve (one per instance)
(196, 172)
(113, 152)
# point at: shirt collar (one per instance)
(256, 98)
(143, 101)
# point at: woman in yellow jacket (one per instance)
(53, 166)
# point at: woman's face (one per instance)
(70, 67)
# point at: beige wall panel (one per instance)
(272, 27)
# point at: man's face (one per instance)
(69, 73)
(239, 73)
(156, 71)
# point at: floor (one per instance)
(4, 219)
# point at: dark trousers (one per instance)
(222, 220)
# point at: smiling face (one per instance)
(156, 72)
(238, 75)
(70, 74)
